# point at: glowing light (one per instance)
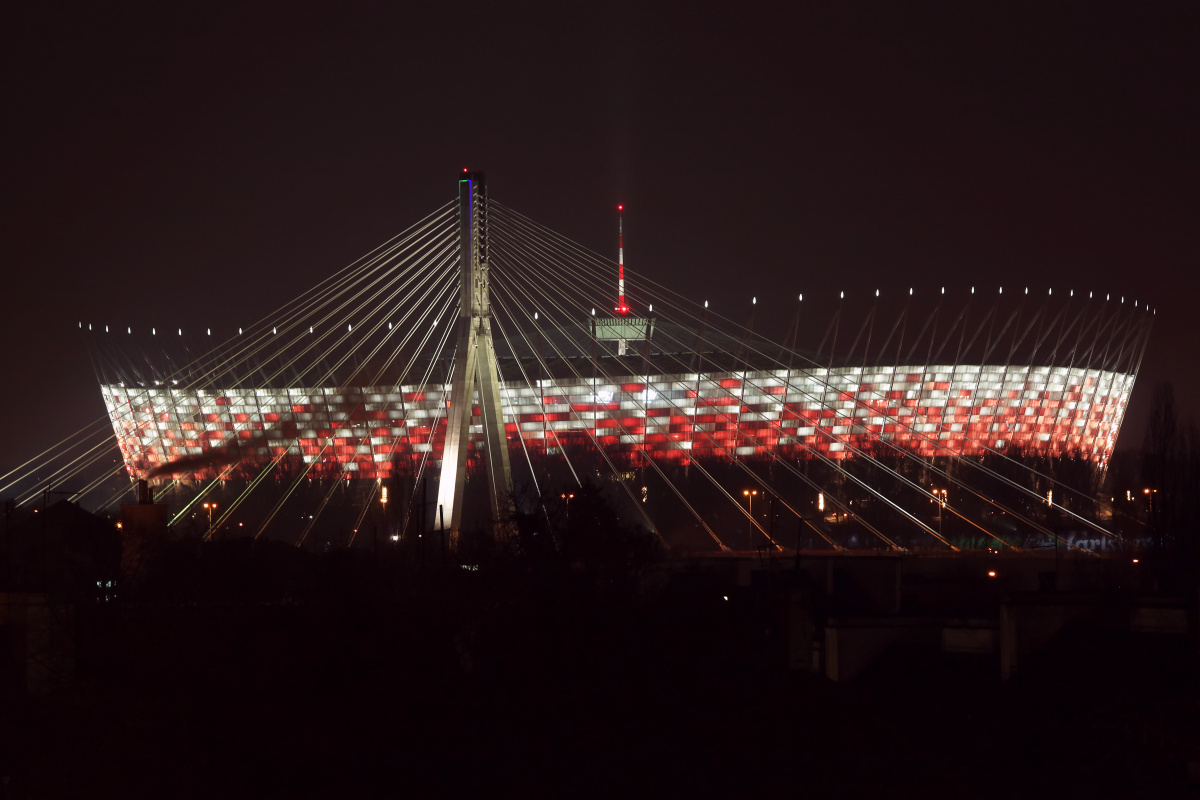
(877, 293)
(843, 295)
(801, 298)
(620, 208)
(651, 307)
(991, 573)
(753, 301)
(535, 315)
(706, 304)
(820, 501)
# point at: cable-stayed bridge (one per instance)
(479, 344)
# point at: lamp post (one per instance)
(940, 498)
(383, 498)
(749, 495)
(210, 507)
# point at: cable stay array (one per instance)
(949, 426)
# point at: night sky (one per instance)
(200, 167)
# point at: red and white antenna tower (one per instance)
(621, 307)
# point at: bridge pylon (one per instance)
(474, 369)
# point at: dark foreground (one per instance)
(384, 678)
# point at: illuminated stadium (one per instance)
(371, 431)
(351, 383)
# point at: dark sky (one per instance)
(199, 167)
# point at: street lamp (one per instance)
(939, 497)
(210, 507)
(749, 495)
(383, 498)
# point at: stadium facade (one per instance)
(374, 431)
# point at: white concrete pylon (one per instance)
(474, 368)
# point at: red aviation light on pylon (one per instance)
(621, 307)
